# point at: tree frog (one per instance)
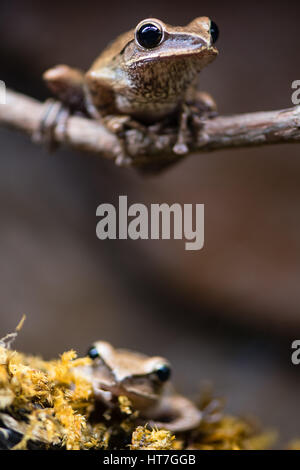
(144, 381)
(147, 75)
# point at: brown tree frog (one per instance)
(144, 381)
(147, 75)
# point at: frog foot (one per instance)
(53, 123)
(119, 125)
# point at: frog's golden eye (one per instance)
(148, 34)
(93, 352)
(163, 372)
(214, 32)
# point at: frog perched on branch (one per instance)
(146, 79)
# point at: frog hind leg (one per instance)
(67, 84)
(181, 413)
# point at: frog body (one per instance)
(144, 381)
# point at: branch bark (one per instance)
(155, 150)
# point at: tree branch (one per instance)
(155, 150)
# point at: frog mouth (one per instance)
(207, 54)
(117, 389)
(199, 52)
(140, 394)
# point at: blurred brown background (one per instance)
(227, 313)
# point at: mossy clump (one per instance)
(45, 404)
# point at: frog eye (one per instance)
(148, 34)
(93, 352)
(214, 32)
(163, 372)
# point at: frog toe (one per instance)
(52, 127)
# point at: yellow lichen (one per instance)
(50, 395)
(231, 433)
(125, 405)
(144, 439)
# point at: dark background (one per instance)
(227, 313)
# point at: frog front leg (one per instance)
(197, 108)
(102, 105)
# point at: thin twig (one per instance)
(222, 132)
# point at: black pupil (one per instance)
(163, 373)
(149, 35)
(214, 31)
(93, 353)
